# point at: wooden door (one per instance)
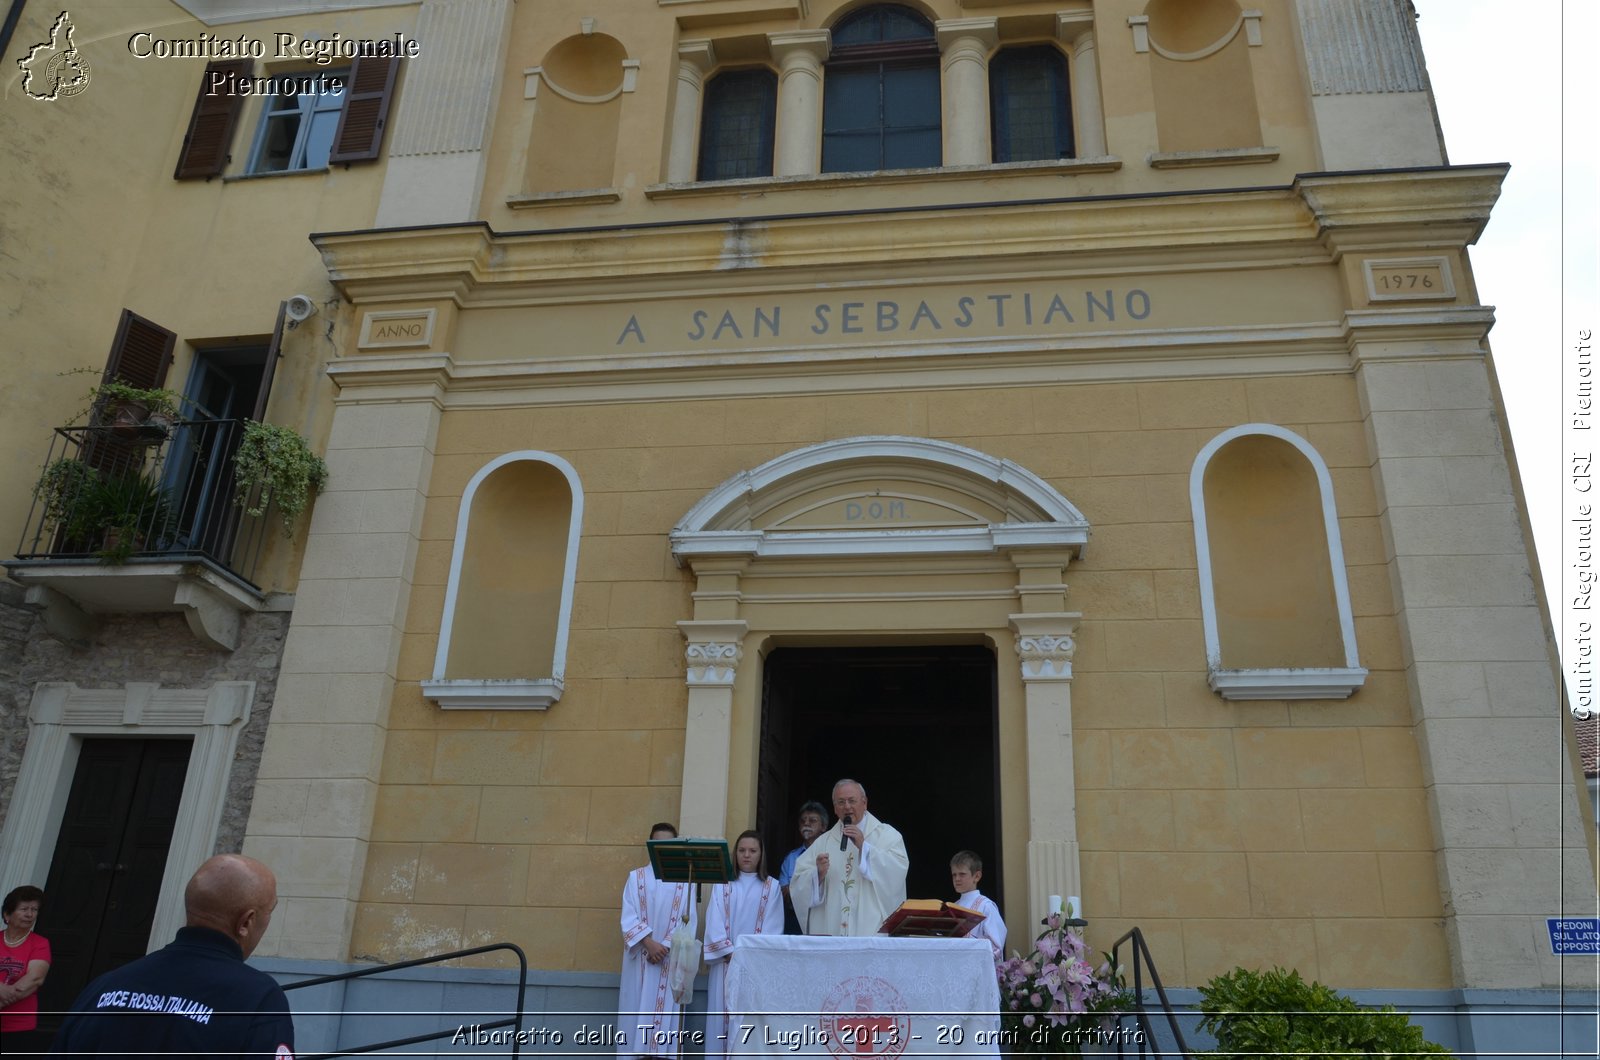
(111, 852)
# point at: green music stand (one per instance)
(693, 861)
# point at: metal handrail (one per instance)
(360, 973)
(1141, 1014)
(167, 493)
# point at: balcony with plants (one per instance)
(142, 508)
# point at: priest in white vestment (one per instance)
(751, 904)
(649, 1020)
(850, 891)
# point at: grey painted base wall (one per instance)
(570, 1013)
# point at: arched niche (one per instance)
(503, 639)
(1273, 592)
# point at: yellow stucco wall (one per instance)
(106, 226)
(1301, 828)
(523, 157)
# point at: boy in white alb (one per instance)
(752, 904)
(966, 869)
(649, 1019)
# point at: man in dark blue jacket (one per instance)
(197, 996)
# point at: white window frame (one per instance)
(1310, 682)
(297, 154)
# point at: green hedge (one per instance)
(1277, 1013)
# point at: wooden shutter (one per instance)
(141, 353)
(267, 370)
(366, 109)
(140, 356)
(206, 144)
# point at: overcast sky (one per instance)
(1502, 98)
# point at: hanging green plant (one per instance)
(276, 465)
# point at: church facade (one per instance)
(1073, 420)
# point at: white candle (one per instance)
(1055, 903)
(1075, 907)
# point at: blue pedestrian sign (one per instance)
(1571, 936)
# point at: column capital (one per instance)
(1044, 644)
(800, 44)
(985, 31)
(714, 650)
(699, 54)
(1075, 27)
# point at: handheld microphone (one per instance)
(844, 840)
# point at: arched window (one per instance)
(880, 93)
(1274, 599)
(503, 641)
(1031, 113)
(736, 125)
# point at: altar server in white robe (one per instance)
(752, 904)
(966, 869)
(649, 1021)
(854, 875)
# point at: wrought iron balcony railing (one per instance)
(154, 492)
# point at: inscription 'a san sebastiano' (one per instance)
(1006, 312)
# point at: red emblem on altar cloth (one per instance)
(864, 1018)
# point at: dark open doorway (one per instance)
(105, 875)
(915, 725)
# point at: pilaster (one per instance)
(1487, 706)
(330, 718)
(713, 653)
(1044, 645)
(1370, 98)
(439, 142)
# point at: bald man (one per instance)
(196, 996)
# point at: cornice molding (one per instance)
(474, 264)
(223, 12)
(1438, 207)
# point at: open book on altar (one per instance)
(930, 918)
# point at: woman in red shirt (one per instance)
(24, 960)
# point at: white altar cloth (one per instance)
(872, 998)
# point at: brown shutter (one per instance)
(140, 356)
(267, 370)
(366, 109)
(141, 353)
(206, 144)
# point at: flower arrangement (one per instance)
(1054, 1000)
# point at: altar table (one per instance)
(873, 998)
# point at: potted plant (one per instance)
(133, 412)
(132, 510)
(65, 490)
(276, 465)
(112, 515)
